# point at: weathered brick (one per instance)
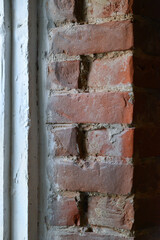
(97, 176)
(104, 9)
(85, 39)
(110, 142)
(111, 212)
(65, 139)
(63, 75)
(61, 10)
(63, 211)
(110, 72)
(90, 108)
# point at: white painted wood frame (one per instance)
(18, 121)
(5, 118)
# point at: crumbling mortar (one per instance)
(90, 57)
(127, 233)
(98, 230)
(129, 196)
(117, 88)
(90, 160)
(90, 20)
(90, 126)
(90, 90)
(110, 19)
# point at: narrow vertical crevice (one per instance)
(83, 209)
(79, 10)
(81, 143)
(84, 74)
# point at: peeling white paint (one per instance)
(24, 124)
(20, 115)
(4, 119)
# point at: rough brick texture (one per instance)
(65, 141)
(104, 9)
(61, 10)
(109, 142)
(64, 211)
(92, 177)
(111, 72)
(102, 116)
(111, 212)
(90, 108)
(86, 39)
(63, 75)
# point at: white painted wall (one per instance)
(24, 166)
(18, 120)
(5, 55)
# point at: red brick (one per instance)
(61, 10)
(104, 9)
(90, 108)
(92, 177)
(108, 142)
(63, 75)
(113, 212)
(58, 235)
(65, 141)
(110, 72)
(63, 211)
(85, 39)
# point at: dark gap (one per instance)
(85, 67)
(83, 209)
(79, 10)
(81, 143)
(146, 62)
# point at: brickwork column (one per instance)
(102, 120)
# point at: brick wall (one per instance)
(103, 81)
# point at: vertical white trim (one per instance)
(5, 56)
(24, 167)
(18, 120)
